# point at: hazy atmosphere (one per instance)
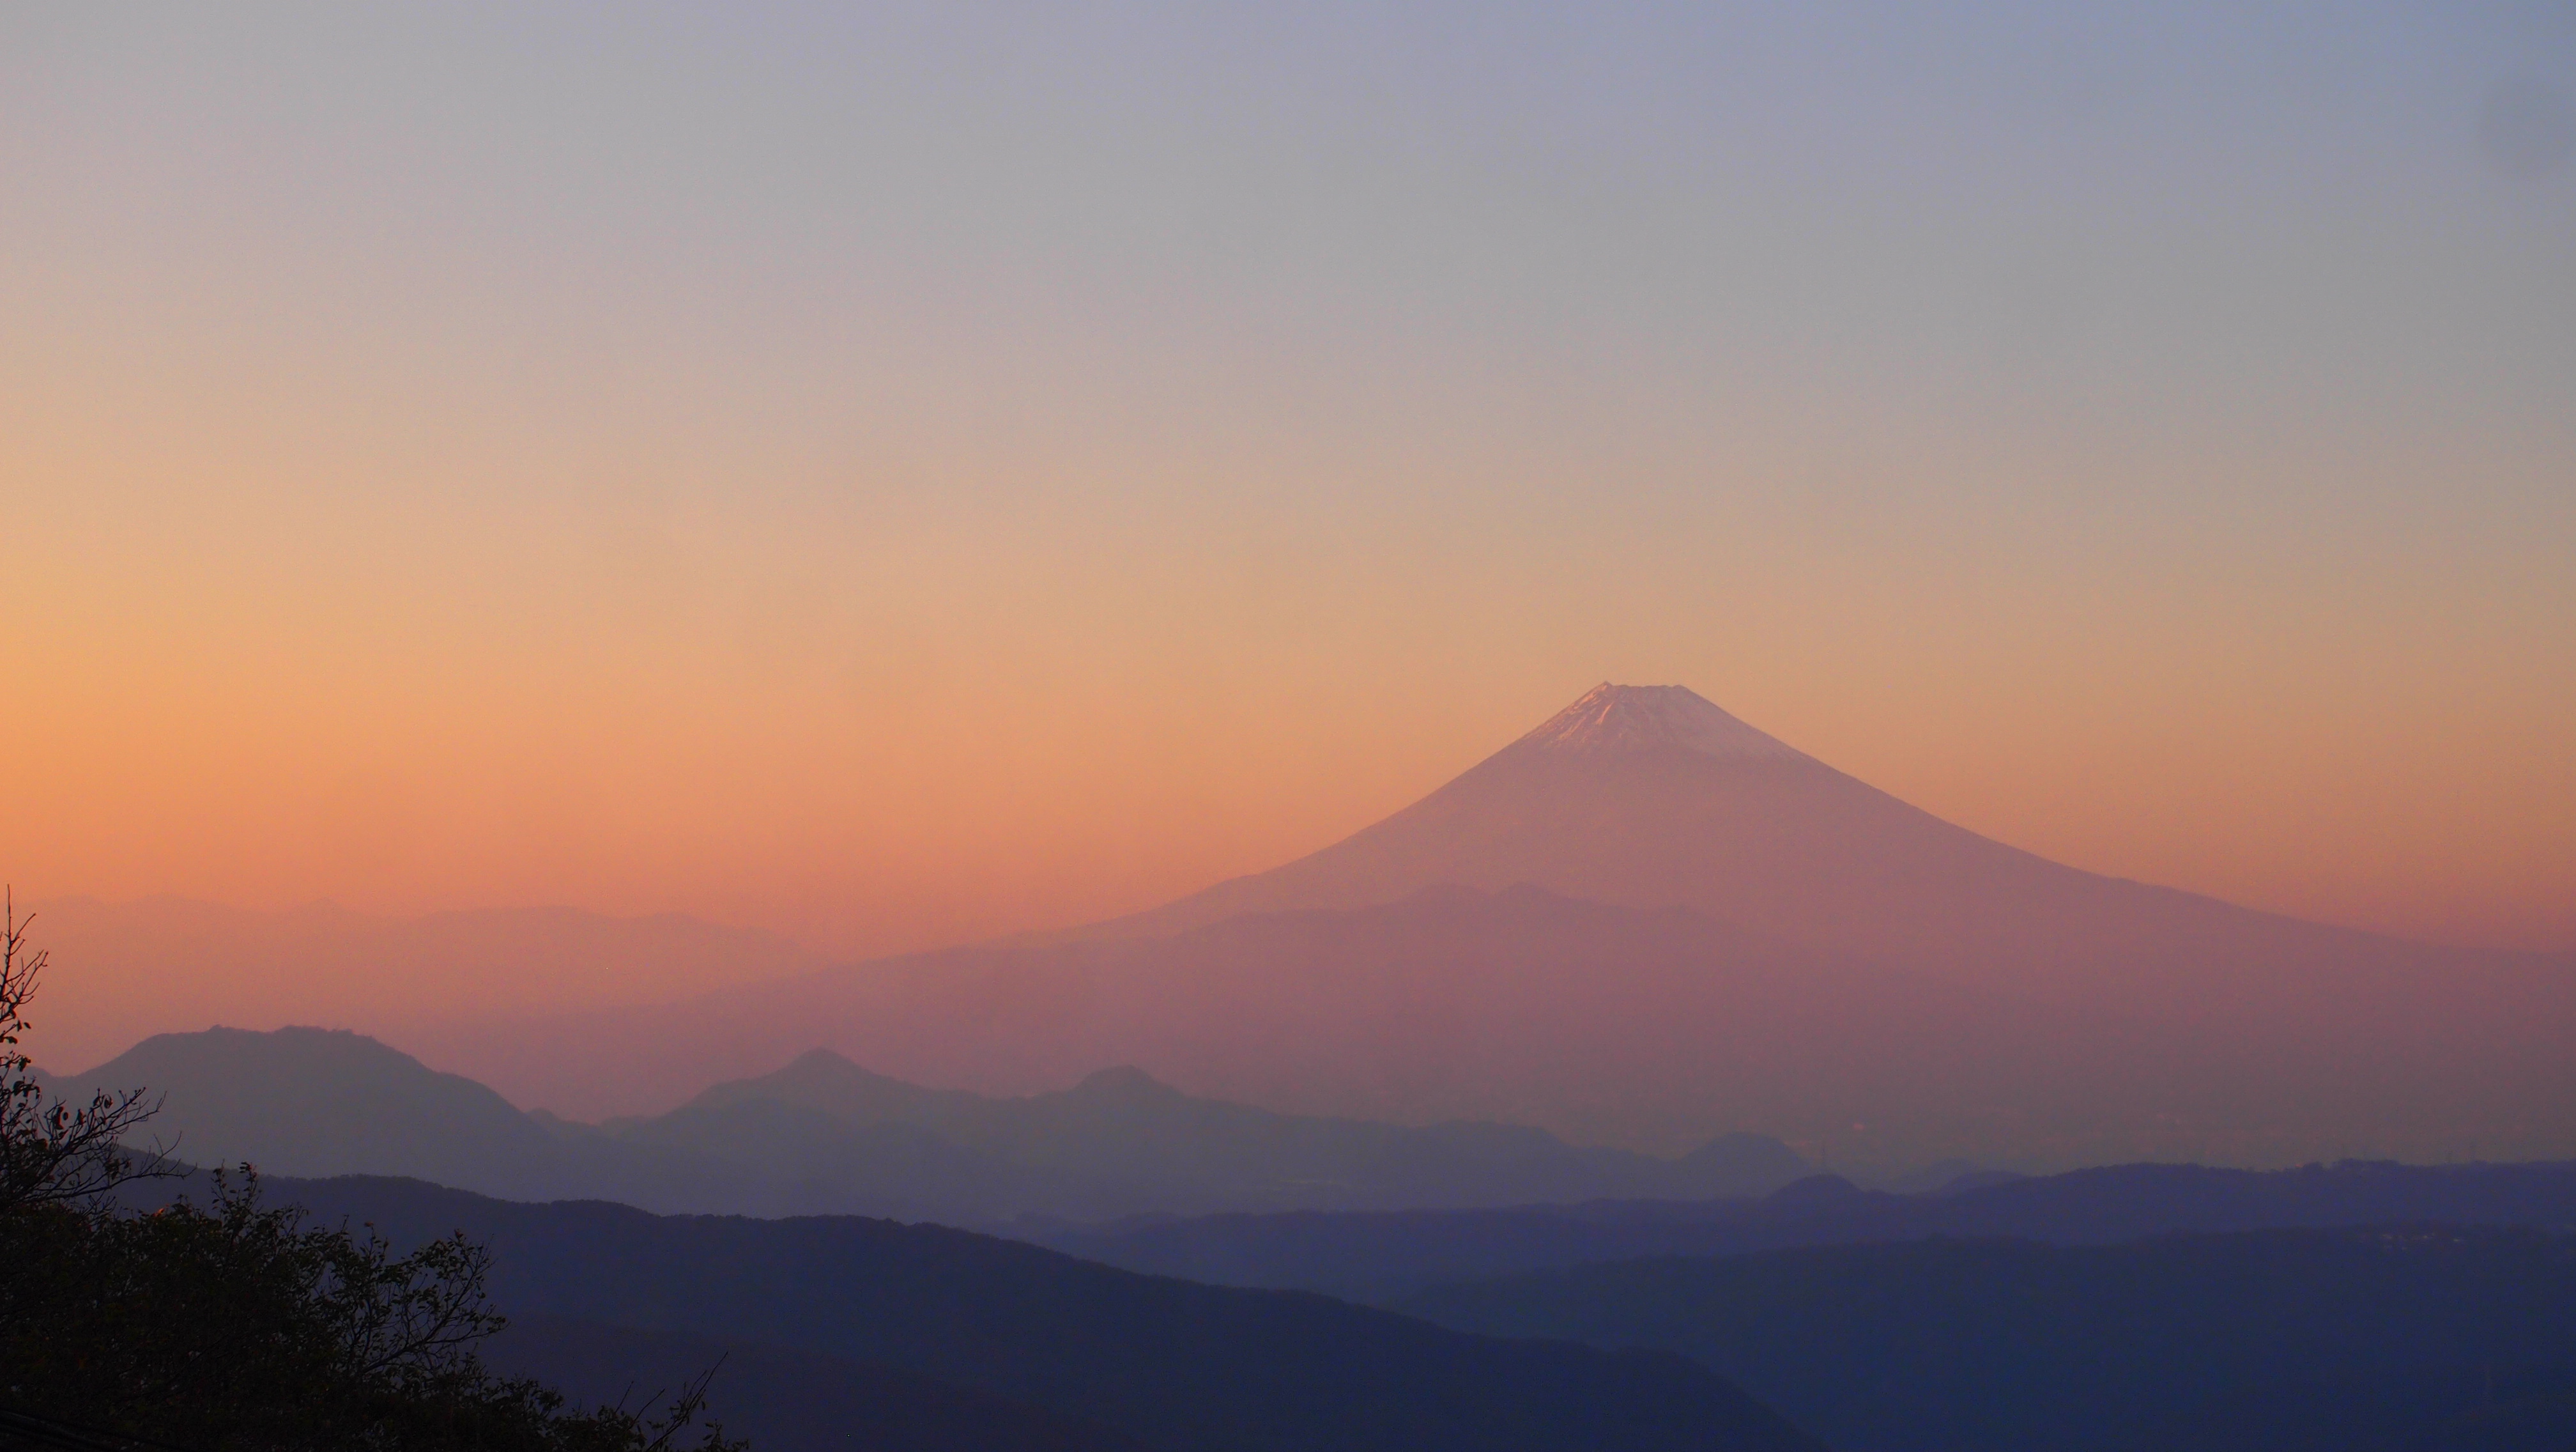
(896, 475)
(1767, 727)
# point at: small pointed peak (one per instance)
(1615, 718)
(1816, 1190)
(824, 1071)
(1125, 1080)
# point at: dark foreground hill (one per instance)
(2398, 1339)
(1174, 1365)
(782, 1400)
(824, 1136)
(1377, 1257)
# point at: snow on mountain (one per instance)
(1613, 718)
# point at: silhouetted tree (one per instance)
(236, 1326)
(55, 1152)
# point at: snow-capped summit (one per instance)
(1613, 718)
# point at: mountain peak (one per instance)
(1612, 718)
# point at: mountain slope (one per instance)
(826, 1136)
(303, 1101)
(1649, 796)
(783, 1400)
(1381, 1257)
(1181, 1367)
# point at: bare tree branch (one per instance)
(53, 1151)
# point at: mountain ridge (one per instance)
(823, 1135)
(1176, 1366)
(1380, 1257)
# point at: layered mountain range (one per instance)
(825, 1136)
(829, 1332)
(1646, 922)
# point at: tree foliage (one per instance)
(54, 1151)
(235, 1325)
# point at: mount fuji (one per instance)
(1652, 796)
(1646, 922)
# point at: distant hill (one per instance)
(1176, 1366)
(2392, 1339)
(302, 1101)
(824, 1135)
(1120, 1141)
(166, 964)
(1382, 1257)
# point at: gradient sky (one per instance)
(900, 472)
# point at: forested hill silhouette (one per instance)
(823, 1135)
(1176, 1366)
(783, 1400)
(2389, 1339)
(1377, 1257)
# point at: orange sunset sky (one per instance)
(901, 478)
